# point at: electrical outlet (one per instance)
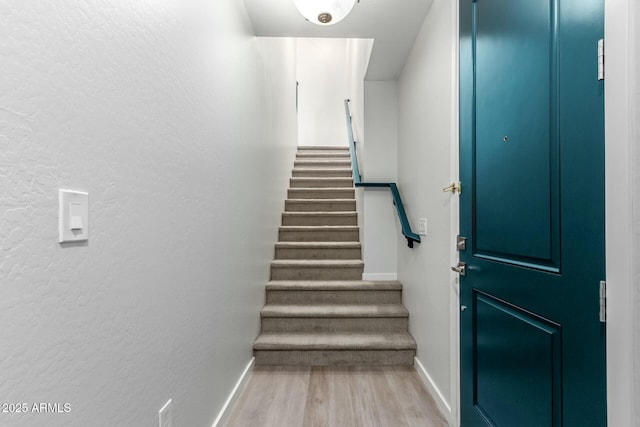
(422, 226)
(164, 415)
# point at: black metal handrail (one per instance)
(392, 186)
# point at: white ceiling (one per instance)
(393, 24)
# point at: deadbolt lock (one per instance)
(461, 243)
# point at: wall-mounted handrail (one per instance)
(357, 178)
(392, 186)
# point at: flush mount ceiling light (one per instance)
(325, 12)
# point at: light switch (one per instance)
(75, 216)
(73, 223)
(422, 226)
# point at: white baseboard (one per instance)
(380, 277)
(224, 412)
(441, 401)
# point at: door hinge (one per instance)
(601, 59)
(603, 301)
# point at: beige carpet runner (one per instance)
(318, 309)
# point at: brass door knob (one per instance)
(454, 188)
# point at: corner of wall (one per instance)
(225, 411)
(380, 165)
(441, 401)
(426, 163)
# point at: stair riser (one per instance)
(305, 148)
(319, 236)
(340, 325)
(327, 155)
(322, 164)
(318, 173)
(334, 357)
(319, 220)
(321, 183)
(316, 273)
(318, 253)
(328, 206)
(334, 297)
(305, 193)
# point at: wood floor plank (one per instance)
(274, 397)
(387, 399)
(317, 409)
(367, 413)
(355, 396)
(416, 403)
(329, 402)
(341, 405)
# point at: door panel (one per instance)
(532, 208)
(518, 357)
(516, 131)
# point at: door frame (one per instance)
(454, 278)
(619, 174)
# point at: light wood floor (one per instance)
(335, 397)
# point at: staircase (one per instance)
(318, 310)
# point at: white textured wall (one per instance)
(161, 111)
(323, 76)
(424, 153)
(381, 225)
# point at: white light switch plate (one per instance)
(73, 216)
(422, 226)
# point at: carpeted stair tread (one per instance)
(319, 227)
(328, 170)
(318, 250)
(323, 163)
(334, 310)
(315, 205)
(323, 155)
(311, 218)
(322, 172)
(318, 213)
(323, 147)
(318, 233)
(333, 285)
(314, 263)
(321, 213)
(321, 193)
(322, 189)
(304, 161)
(334, 341)
(321, 182)
(311, 201)
(318, 245)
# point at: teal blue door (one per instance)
(532, 209)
